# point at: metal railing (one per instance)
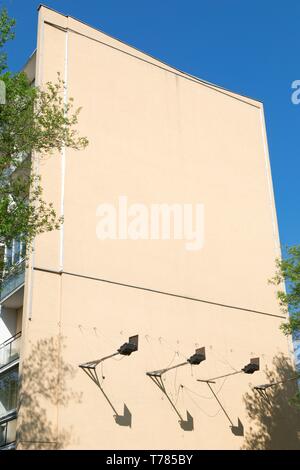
(13, 280)
(8, 431)
(10, 350)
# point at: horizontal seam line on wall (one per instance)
(180, 74)
(155, 291)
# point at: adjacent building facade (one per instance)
(156, 136)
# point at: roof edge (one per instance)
(194, 77)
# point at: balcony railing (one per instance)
(10, 350)
(13, 280)
(8, 431)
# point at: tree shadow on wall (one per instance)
(44, 385)
(276, 423)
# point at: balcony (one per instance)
(9, 383)
(13, 281)
(8, 431)
(10, 351)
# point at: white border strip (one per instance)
(38, 81)
(63, 158)
(270, 186)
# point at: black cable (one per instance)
(155, 291)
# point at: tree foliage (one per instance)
(6, 33)
(34, 122)
(288, 272)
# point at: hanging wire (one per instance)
(179, 389)
(93, 331)
(220, 388)
(173, 348)
(222, 360)
(102, 372)
(172, 360)
(118, 359)
(154, 358)
(87, 343)
(198, 394)
(204, 412)
(207, 397)
(175, 372)
(175, 382)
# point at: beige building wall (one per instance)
(156, 135)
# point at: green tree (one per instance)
(288, 272)
(6, 33)
(34, 122)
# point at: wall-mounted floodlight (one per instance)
(249, 368)
(252, 367)
(236, 430)
(198, 357)
(126, 349)
(195, 359)
(262, 389)
(156, 377)
(90, 369)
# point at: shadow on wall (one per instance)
(44, 385)
(276, 421)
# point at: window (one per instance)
(8, 390)
(14, 254)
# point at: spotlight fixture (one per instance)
(252, 367)
(156, 377)
(262, 389)
(90, 369)
(249, 368)
(236, 430)
(195, 359)
(125, 350)
(198, 357)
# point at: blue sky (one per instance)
(251, 47)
